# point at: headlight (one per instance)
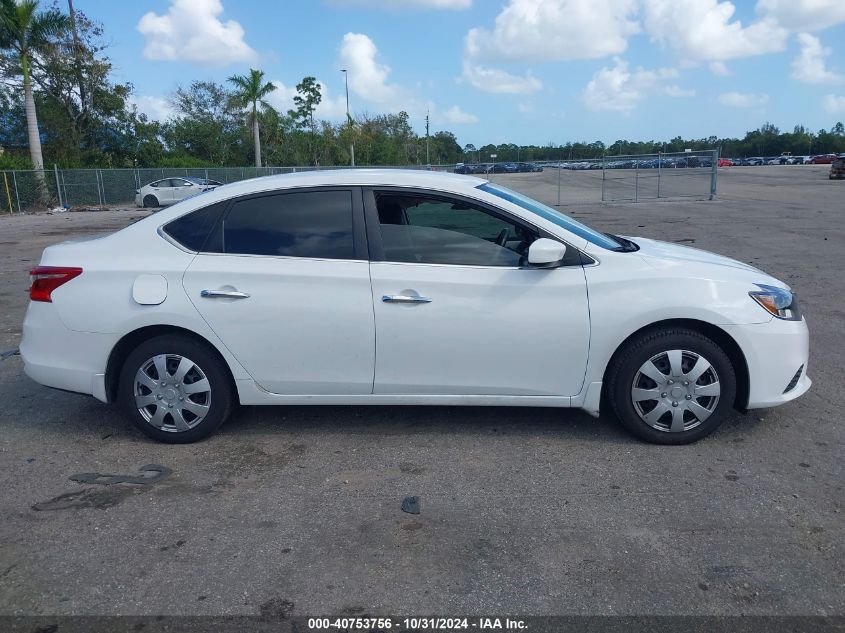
(778, 302)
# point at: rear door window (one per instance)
(314, 224)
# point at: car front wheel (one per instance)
(175, 389)
(672, 386)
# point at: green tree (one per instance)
(307, 99)
(250, 91)
(445, 148)
(208, 125)
(24, 30)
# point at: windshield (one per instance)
(552, 215)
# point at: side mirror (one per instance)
(546, 253)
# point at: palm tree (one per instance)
(24, 31)
(251, 91)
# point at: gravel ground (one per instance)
(529, 511)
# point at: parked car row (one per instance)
(784, 159)
(497, 168)
(664, 162)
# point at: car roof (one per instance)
(416, 178)
(363, 177)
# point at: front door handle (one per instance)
(224, 294)
(405, 299)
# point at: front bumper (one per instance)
(774, 351)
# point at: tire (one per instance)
(181, 411)
(652, 419)
(150, 201)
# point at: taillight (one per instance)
(45, 279)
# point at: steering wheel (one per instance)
(502, 238)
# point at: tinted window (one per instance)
(192, 230)
(305, 224)
(434, 230)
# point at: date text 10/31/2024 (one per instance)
(416, 624)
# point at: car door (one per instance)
(163, 191)
(181, 189)
(457, 310)
(284, 281)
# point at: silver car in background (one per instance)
(167, 191)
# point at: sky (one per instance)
(495, 71)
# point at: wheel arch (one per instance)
(131, 340)
(715, 333)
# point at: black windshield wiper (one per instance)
(625, 246)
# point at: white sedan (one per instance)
(167, 191)
(405, 287)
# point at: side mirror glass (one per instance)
(545, 252)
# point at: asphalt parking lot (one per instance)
(525, 511)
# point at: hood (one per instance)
(656, 252)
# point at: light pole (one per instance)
(427, 158)
(349, 119)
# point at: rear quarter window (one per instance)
(193, 229)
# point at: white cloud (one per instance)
(282, 97)
(369, 82)
(192, 31)
(458, 116)
(408, 4)
(834, 104)
(332, 108)
(620, 89)
(720, 69)
(156, 108)
(809, 67)
(500, 81)
(678, 92)
(743, 99)
(704, 30)
(368, 78)
(554, 29)
(803, 15)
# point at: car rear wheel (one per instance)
(175, 389)
(672, 386)
(150, 201)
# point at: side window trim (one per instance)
(374, 234)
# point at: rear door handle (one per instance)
(405, 299)
(224, 294)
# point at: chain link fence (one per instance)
(610, 179)
(651, 176)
